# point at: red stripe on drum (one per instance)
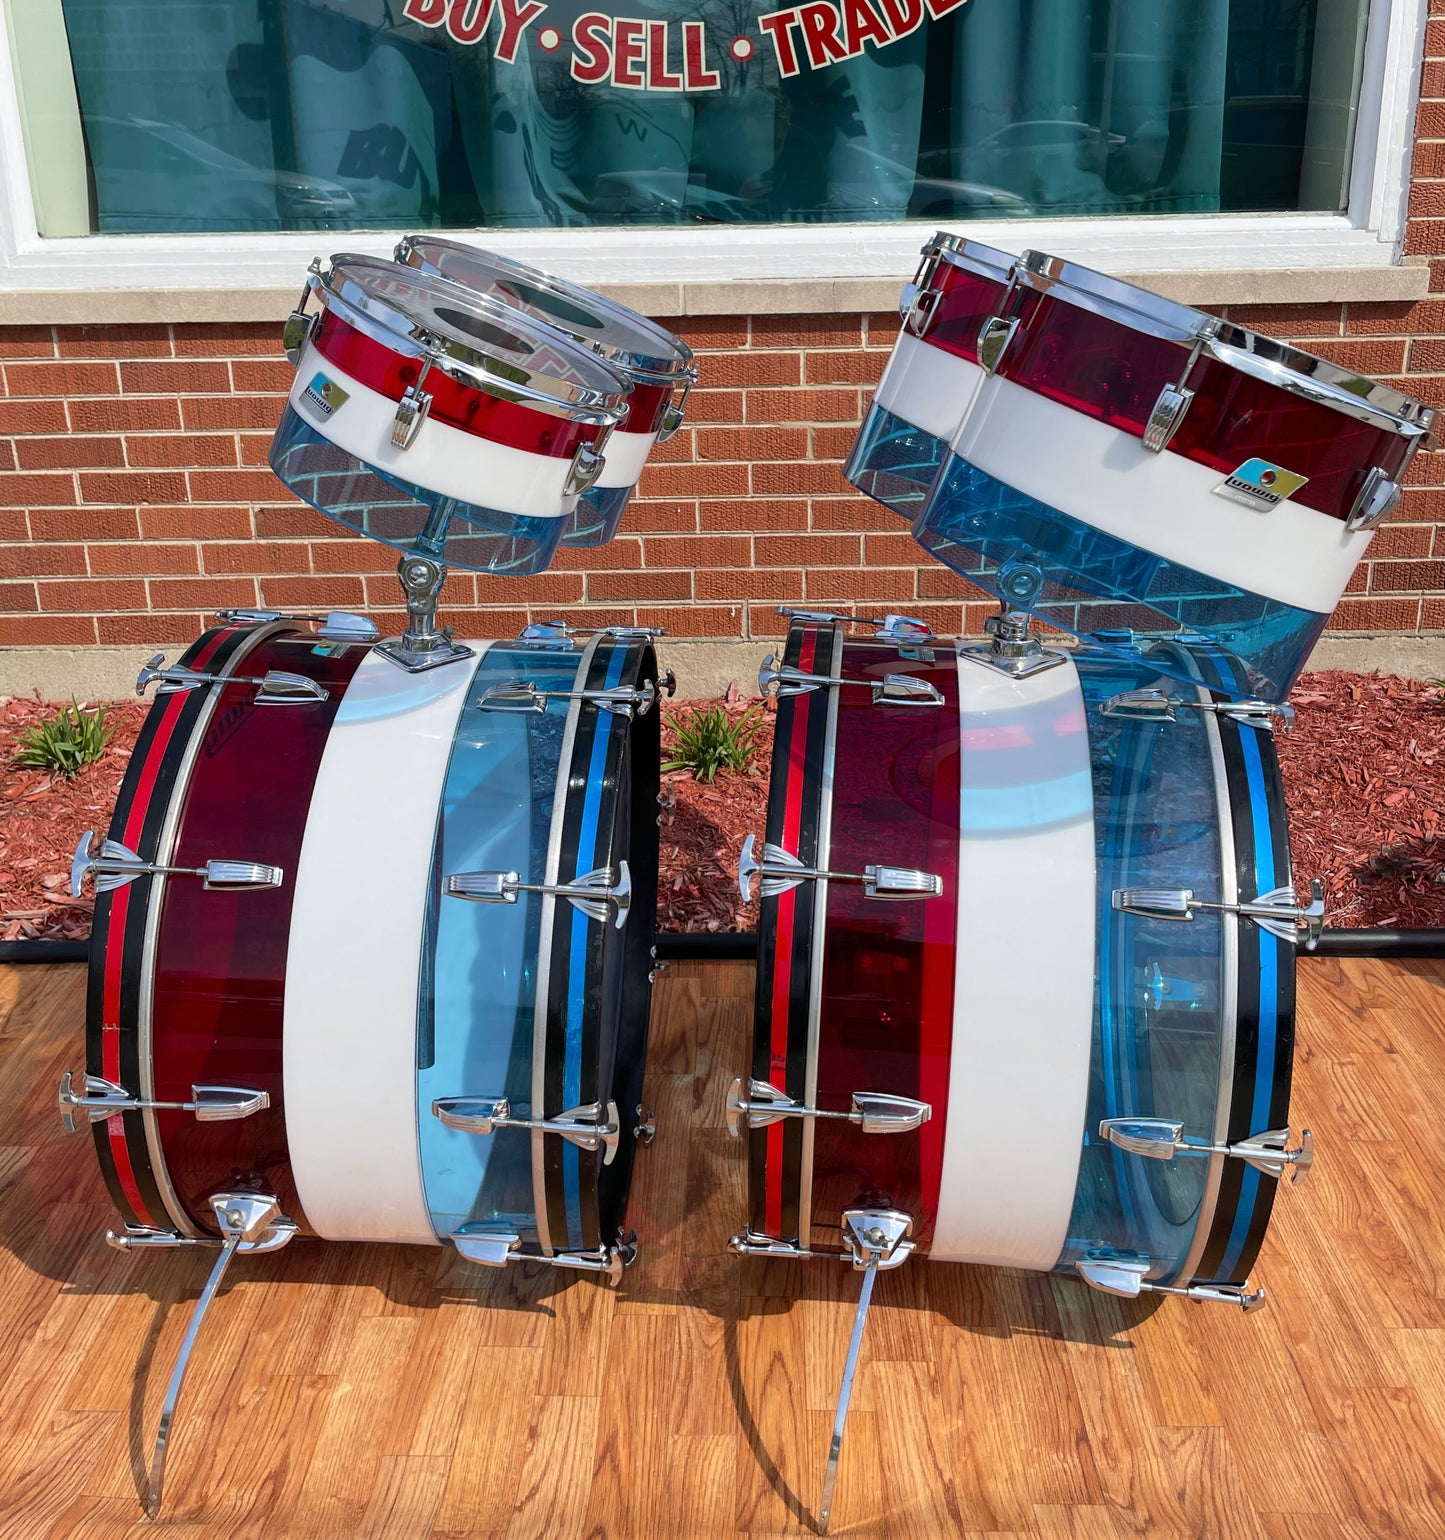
(646, 407)
(390, 374)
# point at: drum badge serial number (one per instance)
(1258, 484)
(325, 395)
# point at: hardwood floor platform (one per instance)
(389, 1393)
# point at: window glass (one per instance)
(218, 115)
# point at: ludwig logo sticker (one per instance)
(326, 396)
(1258, 484)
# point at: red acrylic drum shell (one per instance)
(1113, 373)
(965, 301)
(221, 958)
(886, 1018)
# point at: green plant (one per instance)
(65, 742)
(705, 740)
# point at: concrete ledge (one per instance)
(704, 669)
(763, 296)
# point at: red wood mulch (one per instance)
(1364, 776)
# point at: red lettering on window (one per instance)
(657, 76)
(696, 75)
(902, 16)
(515, 21)
(627, 37)
(592, 38)
(778, 25)
(937, 8)
(862, 24)
(429, 13)
(819, 21)
(467, 19)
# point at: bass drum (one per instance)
(304, 1004)
(1026, 962)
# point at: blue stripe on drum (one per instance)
(894, 461)
(597, 516)
(588, 856)
(1074, 576)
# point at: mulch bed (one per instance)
(1364, 775)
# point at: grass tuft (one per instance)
(706, 740)
(65, 743)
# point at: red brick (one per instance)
(1401, 540)
(47, 631)
(1380, 319)
(752, 444)
(152, 630)
(124, 416)
(855, 513)
(14, 525)
(1289, 320)
(314, 593)
(20, 490)
(32, 417)
(115, 341)
(680, 447)
(1432, 80)
(623, 555)
(190, 523)
(882, 327)
(694, 481)
(26, 342)
(62, 380)
(763, 622)
(798, 480)
(720, 552)
(1427, 200)
(877, 583)
(834, 444)
(1432, 615)
(211, 412)
(1430, 120)
(18, 598)
(178, 378)
(740, 583)
(232, 486)
(850, 368)
(715, 406)
(751, 370)
(891, 550)
(134, 487)
(1375, 615)
(295, 522)
(1434, 39)
(255, 449)
(7, 455)
(89, 596)
(151, 558)
(263, 375)
(936, 581)
(1427, 354)
(1424, 237)
(352, 556)
(545, 588)
(35, 559)
(1429, 160)
(203, 593)
(68, 453)
(1425, 470)
(705, 333)
(255, 557)
(1429, 388)
(84, 524)
(593, 615)
(697, 621)
(807, 331)
(1359, 579)
(228, 339)
(807, 406)
(1437, 276)
(649, 587)
(775, 513)
(644, 517)
(1398, 577)
(807, 550)
(184, 449)
(1365, 357)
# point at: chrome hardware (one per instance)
(876, 1240)
(299, 324)
(676, 410)
(1157, 706)
(145, 1238)
(905, 690)
(523, 695)
(1278, 912)
(994, 337)
(667, 684)
(249, 1222)
(593, 1127)
(1125, 1276)
(557, 635)
(586, 467)
(783, 679)
(335, 626)
(892, 628)
(644, 1130)
(875, 1112)
(117, 864)
(423, 644)
(412, 410)
(277, 687)
(1375, 502)
(750, 1243)
(591, 893)
(781, 871)
(495, 1248)
(1166, 416)
(1160, 991)
(918, 307)
(102, 1099)
(1012, 650)
(1163, 1139)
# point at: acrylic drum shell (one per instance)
(186, 983)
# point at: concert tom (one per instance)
(659, 365)
(932, 374)
(440, 421)
(1111, 1102)
(1131, 462)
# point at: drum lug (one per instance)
(667, 683)
(1124, 1276)
(1157, 706)
(102, 1099)
(276, 686)
(591, 893)
(1012, 650)
(1375, 502)
(676, 411)
(1279, 912)
(587, 466)
(644, 1130)
(875, 1112)
(1167, 415)
(905, 690)
(558, 636)
(892, 628)
(495, 1248)
(593, 1127)
(781, 871)
(782, 679)
(116, 865)
(1163, 1139)
(523, 695)
(412, 410)
(994, 337)
(918, 305)
(335, 626)
(300, 324)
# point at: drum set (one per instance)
(453, 869)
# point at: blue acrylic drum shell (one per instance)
(480, 1011)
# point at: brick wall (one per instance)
(135, 497)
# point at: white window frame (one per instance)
(1369, 235)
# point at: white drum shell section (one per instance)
(625, 456)
(928, 387)
(1161, 503)
(442, 459)
(1023, 1024)
(354, 962)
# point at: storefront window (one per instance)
(246, 115)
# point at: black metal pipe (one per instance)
(707, 946)
(44, 951)
(1379, 943)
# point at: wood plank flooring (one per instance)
(388, 1393)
